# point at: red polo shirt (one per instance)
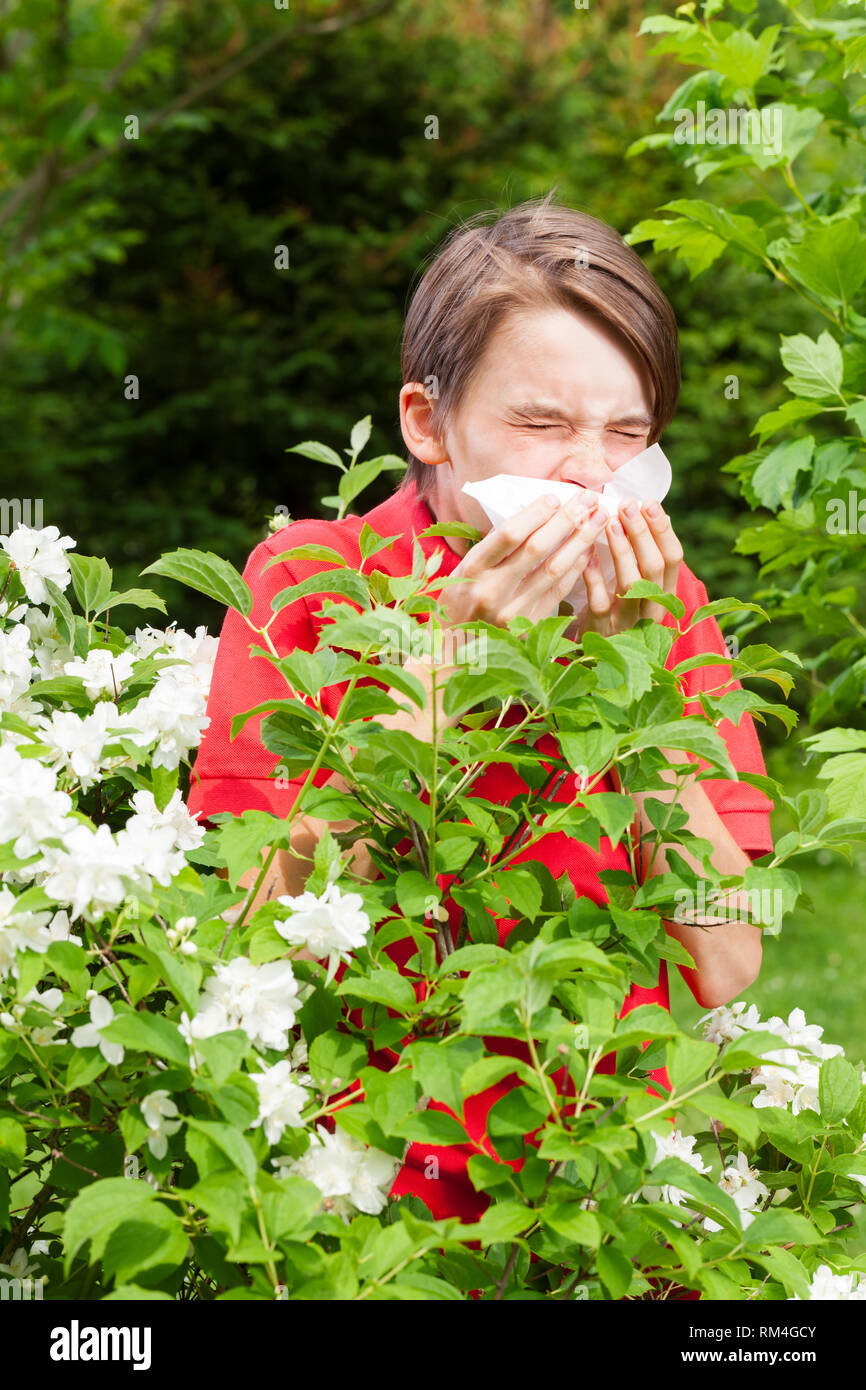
(235, 775)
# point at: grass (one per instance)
(818, 961)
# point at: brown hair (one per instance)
(539, 253)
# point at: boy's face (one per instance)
(557, 395)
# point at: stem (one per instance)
(815, 1170)
(270, 1266)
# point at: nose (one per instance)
(587, 466)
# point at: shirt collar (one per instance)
(406, 514)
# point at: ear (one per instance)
(416, 423)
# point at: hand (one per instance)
(528, 566)
(643, 545)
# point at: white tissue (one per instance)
(646, 477)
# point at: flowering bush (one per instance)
(188, 1109)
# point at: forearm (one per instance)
(289, 869)
(727, 953)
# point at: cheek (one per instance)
(533, 455)
(619, 451)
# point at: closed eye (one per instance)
(623, 434)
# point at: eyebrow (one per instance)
(554, 412)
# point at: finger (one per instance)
(625, 561)
(542, 526)
(562, 568)
(536, 550)
(504, 540)
(599, 600)
(544, 588)
(650, 561)
(666, 539)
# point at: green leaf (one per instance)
(91, 580)
(777, 473)
(98, 1210)
(384, 987)
(815, 365)
(789, 413)
(828, 259)
(223, 1053)
(132, 598)
(207, 574)
(647, 588)
(227, 1139)
(614, 811)
(319, 453)
(614, 1270)
(154, 1238)
(442, 1068)
(697, 738)
(778, 1227)
(687, 1059)
(336, 1059)
(567, 1219)
(785, 1267)
(346, 582)
(730, 227)
(431, 1127)
(307, 552)
(13, 1144)
(846, 792)
(521, 889)
(359, 476)
(241, 839)
(414, 893)
(147, 1032)
(838, 1089)
(741, 1117)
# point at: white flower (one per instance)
(177, 936)
(91, 872)
(19, 1267)
(90, 1034)
(25, 931)
(76, 742)
(332, 925)
(16, 668)
(102, 671)
(260, 999)
(724, 1024)
(39, 555)
(46, 1034)
(800, 1034)
(347, 1173)
(161, 1117)
(185, 1029)
(827, 1286)
(281, 1099)
(186, 831)
(794, 1082)
(171, 716)
(50, 650)
(743, 1184)
(198, 652)
(31, 808)
(674, 1145)
(150, 851)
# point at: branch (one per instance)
(332, 25)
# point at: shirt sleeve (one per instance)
(238, 774)
(744, 809)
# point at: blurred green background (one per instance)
(154, 156)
